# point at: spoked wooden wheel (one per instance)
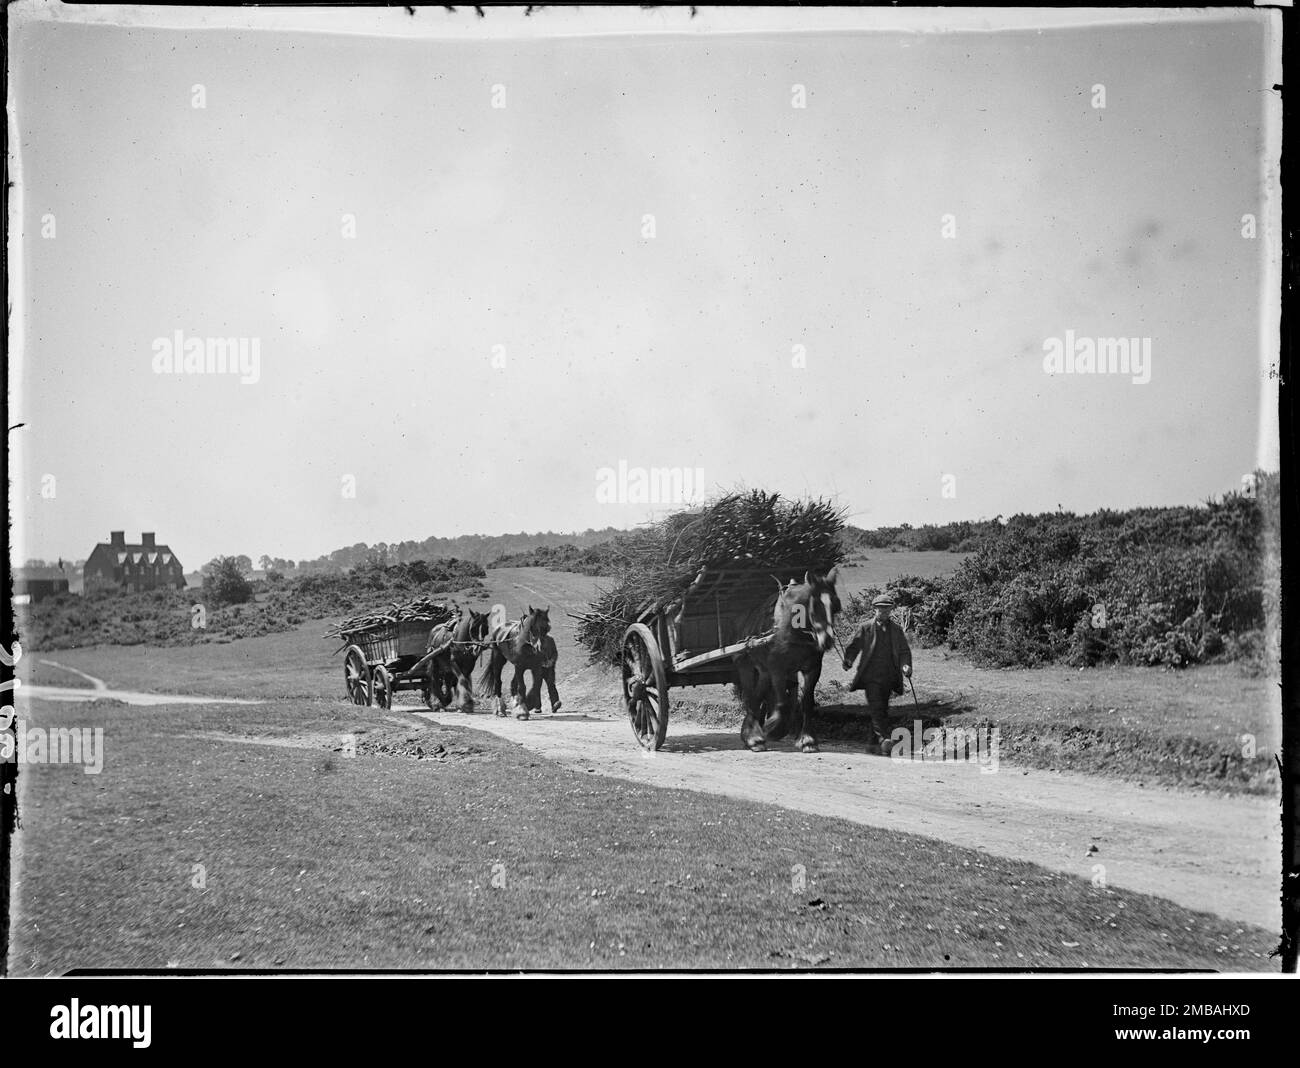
(381, 688)
(645, 686)
(356, 676)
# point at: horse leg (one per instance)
(807, 743)
(778, 720)
(750, 681)
(464, 688)
(516, 689)
(441, 691)
(495, 666)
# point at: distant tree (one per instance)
(225, 582)
(265, 562)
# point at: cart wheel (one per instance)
(381, 688)
(645, 686)
(356, 676)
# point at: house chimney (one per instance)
(118, 538)
(146, 540)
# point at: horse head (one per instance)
(811, 607)
(479, 625)
(535, 625)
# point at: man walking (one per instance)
(550, 654)
(886, 659)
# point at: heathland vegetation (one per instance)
(1153, 586)
(231, 606)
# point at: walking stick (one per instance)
(913, 688)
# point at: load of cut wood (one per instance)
(658, 562)
(416, 610)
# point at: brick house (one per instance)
(144, 566)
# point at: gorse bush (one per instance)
(601, 559)
(959, 537)
(1158, 586)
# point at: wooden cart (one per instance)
(379, 662)
(695, 640)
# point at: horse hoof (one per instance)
(808, 747)
(756, 747)
(521, 715)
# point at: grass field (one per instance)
(438, 847)
(880, 567)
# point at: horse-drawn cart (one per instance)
(695, 640)
(386, 655)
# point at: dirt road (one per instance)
(98, 690)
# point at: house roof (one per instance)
(137, 551)
(30, 574)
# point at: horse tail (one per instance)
(484, 687)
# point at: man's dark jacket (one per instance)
(865, 640)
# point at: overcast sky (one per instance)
(522, 226)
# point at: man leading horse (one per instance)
(886, 661)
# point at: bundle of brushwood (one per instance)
(418, 609)
(658, 562)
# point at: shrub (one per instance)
(1157, 586)
(225, 583)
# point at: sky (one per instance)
(847, 299)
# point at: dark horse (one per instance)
(453, 651)
(769, 676)
(527, 644)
